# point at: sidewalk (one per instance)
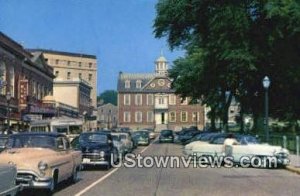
(294, 165)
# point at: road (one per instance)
(182, 181)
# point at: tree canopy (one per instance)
(230, 46)
(109, 96)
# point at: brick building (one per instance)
(25, 80)
(147, 100)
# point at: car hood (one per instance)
(195, 144)
(25, 158)
(87, 147)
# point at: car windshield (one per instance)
(166, 132)
(93, 138)
(123, 137)
(247, 140)
(31, 141)
(208, 137)
(115, 138)
(143, 133)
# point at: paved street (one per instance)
(183, 181)
(180, 181)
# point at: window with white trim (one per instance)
(150, 116)
(126, 99)
(138, 84)
(172, 99)
(138, 116)
(172, 117)
(196, 117)
(138, 99)
(127, 117)
(150, 99)
(127, 84)
(184, 116)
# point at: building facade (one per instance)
(147, 100)
(25, 80)
(107, 116)
(69, 66)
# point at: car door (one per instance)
(64, 159)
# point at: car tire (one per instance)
(74, 177)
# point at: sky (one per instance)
(118, 32)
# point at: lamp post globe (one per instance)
(266, 82)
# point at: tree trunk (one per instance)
(225, 110)
(242, 119)
(213, 118)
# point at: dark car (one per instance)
(97, 149)
(141, 137)
(187, 135)
(166, 136)
(3, 142)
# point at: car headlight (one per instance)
(42, 166)
(102, 154)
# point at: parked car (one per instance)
(134, 139)
(166, 136)
(42, 159)
(8, 174)
(142, 137)
(202, 136)
(127, 141)
(190, 133)
(3, 142)
(152, 134)
(247, 146)
(97, 149)
(118, 144)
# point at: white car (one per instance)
(127, 141)
(248, 147)
(118, 144)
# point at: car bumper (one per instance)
(29, 179)
(89, 162)
(143, 142)
(166, 139)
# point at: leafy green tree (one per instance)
(231, 45)
(109, 96)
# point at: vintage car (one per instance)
(118, 144)
(97, 149)
(127, 141)
(8, 174)
(3, 141)
(42, 159)
(142, 137)
(166, 136)
(246, 146)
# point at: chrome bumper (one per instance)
(29, 179)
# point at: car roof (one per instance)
(51, 134)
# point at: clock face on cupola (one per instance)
(159, 84)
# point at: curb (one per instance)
(293, 169)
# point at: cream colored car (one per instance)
(42, 159)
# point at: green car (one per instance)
(142, 138)
(166, 136)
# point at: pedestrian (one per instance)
(228, 144)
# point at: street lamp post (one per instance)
(8, 98)
(266, 84)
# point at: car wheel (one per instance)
(53, 184)
(74, 177)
